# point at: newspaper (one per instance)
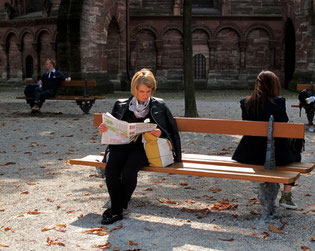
(121, 132)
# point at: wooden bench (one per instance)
(85, 102)
(300, 87)
(225, 167)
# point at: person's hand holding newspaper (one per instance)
(116, 131)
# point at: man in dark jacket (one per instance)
(47, 85)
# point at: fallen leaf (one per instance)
(307, 194)
(22, 168)
(60, 230)
(308, 211)
(31, 183)
(49, 200)
(101, 185)
(265, 235)
(131, 243)
(158, 181)
(87, 194)
(190, 201)
(25, 192)
(34, 212)
(61, 225)
(254, 212)
(69, 212)
(273, 229)
(2, 210)
(21, 215)
(116, 228)
(224, 205)
(102, 246)
(147, 229)
(215, 190)
(7, 228)
(305, 248)
(312, 238)
(89, 231)
(80, 216)
(46, 229)
(168, 201)
(100, 233)
(8, 163)
(4, 245)
(283, 224)
(148, 189)
(183, 183)
(222, 239)
(200, 213)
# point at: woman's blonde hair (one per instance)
(143, 77)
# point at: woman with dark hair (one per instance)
(265, 101)
(124, 161)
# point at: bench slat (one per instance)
(300, 167)
(206, 170)
(300, 87)
(69, 98)
(78, 83)
(232, 127)
(220, 160)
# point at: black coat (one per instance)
(161, 116)
(252, 149)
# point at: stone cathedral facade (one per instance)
(109, 40)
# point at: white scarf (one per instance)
(140, 109)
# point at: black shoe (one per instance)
(107, 212)
(110, 219)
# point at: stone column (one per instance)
(133, 54)
(243, 46)
(212, 47)
(4, 75)
(20, 71)
(36, 60)
(159, 48)
(272, 50)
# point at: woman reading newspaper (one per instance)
(123, 162)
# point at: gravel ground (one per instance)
(40, 191)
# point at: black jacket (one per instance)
(252, 149)
(52, 81)
(161, 116)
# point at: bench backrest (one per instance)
(72, 83)
(300, 87)
(232, 127)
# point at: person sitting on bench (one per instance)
(46, 87)
(123, 162)
(265, 101)
(307, 101)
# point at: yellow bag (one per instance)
(158, 150)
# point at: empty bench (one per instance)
(85, 102)
(225, 167)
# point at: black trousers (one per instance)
(309, 110)
(38, 93)
(121, 174)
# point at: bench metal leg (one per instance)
(267, 195)
(85, 105)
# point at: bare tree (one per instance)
(190, 100)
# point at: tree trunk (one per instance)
(190, 101)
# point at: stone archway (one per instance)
(289, 52)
